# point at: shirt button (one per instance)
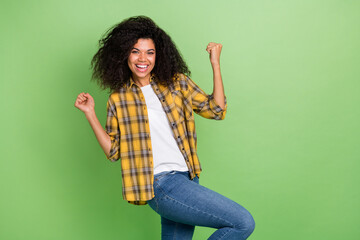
(163, 100)
(183, 149)
(174, 124)
(178, 137)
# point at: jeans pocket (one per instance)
(163, 174)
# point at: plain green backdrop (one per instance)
(288, 149)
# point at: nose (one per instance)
(142, 57)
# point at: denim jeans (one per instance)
(183, 204)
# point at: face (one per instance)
(142, 59)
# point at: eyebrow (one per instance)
(147, 50)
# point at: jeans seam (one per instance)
(157, 205)
(159, 198)
(167, 196)
(225, 233)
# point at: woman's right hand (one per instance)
(85, 103)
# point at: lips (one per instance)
(141, 67)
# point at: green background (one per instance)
(288, 149)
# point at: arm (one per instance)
(102, 137)
(86, 104)
(214, 49)
(203, 104)
(212, 106)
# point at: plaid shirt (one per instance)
(128, 127)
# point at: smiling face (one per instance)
(141, 60)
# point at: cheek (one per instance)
(153, 60)
(130, 60)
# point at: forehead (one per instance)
(145, 44)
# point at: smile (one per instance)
(141, 68)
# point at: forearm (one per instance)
(218, 91)
(102, 137)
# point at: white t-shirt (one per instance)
(166, 153)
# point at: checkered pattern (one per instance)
(128, 127)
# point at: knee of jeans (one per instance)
(247, 224)
(251, 225)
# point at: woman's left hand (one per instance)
(214, 49)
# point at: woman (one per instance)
(150, 126)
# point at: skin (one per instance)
(143, 53)
(214, 50)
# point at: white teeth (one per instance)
(141, 66)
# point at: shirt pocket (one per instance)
(179, 105)
(182, 105)
(187, 108)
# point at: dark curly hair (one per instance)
(110, 67)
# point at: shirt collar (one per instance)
(131, 82)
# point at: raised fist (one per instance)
(85, 102)
(214, 49)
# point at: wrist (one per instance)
(215, 65)
(90, 114)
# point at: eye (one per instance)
(135, 51)
(151, 53)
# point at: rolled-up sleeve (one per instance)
(205, 105)
(112, 129)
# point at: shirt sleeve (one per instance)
(112, 129)
(204, 104)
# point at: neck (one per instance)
(141, 82)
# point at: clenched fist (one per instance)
(214, 49)
(85, 102)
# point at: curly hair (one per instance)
(110, 67)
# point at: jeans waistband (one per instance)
(186, 173)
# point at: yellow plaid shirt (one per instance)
(128, 127)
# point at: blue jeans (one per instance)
(183, 204)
